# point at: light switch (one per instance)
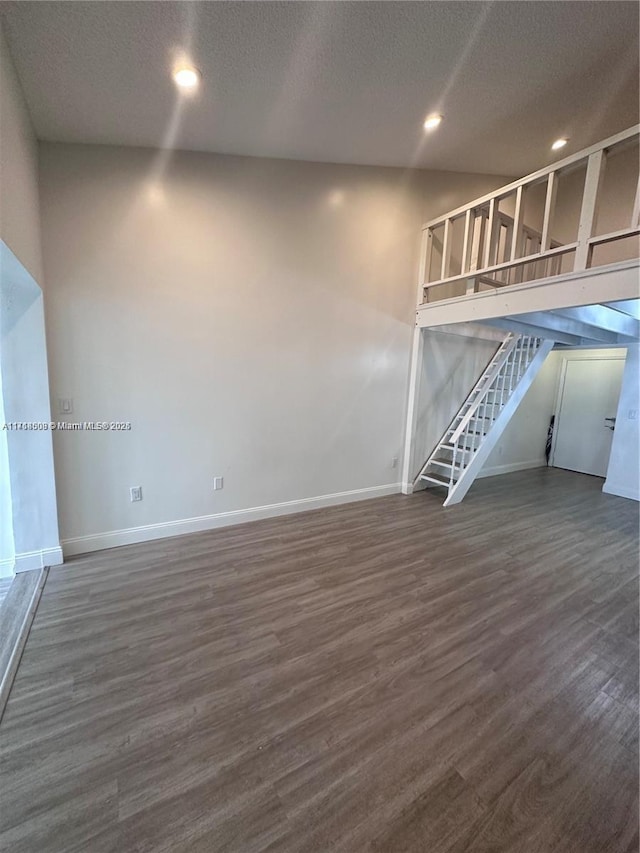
(65, 406)
(633, 414)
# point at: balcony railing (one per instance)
(491, 242)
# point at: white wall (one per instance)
(19, 204)
(623, 473)
(452, 362)
(7, 542)
(523, 442)
(25, 392)
(251, 318)
(28, 516)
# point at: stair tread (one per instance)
(433, 478)
(446, 463)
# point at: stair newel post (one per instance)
(415, 373)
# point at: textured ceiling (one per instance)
(347, 82)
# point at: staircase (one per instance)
(482, 418)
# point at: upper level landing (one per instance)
(563, 237)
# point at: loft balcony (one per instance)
(564, 236)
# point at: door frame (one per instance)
(605, 354)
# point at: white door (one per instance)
(588, 404)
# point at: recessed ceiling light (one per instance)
(559, 143)
(431, 122)
(186, 77)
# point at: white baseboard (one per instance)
(147, 532)
(30, 560)
(514, 466)
(621, 491)
(6, 568)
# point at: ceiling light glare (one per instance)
(559, 143)
(431, 122)
(186, 78)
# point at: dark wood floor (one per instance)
(383, 676)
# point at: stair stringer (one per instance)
(464, 483)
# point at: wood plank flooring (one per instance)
(16, 615)
(383, 676)
(5, 586)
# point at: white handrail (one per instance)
(490, 377)
(486, 251)
(535, 177)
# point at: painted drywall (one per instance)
(452, 362)
(522, 444)
(623, 473)
(7, 542)
(28, 514)
(25, 393)
(250, 318)
(19, 203)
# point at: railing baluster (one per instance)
(549, 209)
(446, 250)
(495, 244)
(479, 225)
(635, 216)
(427, 256)
(490, 236)
(503, 379)
(466, 242)
(589, 209)
(518, 221)
(508, 240)
(514, 369)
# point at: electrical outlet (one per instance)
(136, 493)
(65, 406)
(218, 483)
(394, 462)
